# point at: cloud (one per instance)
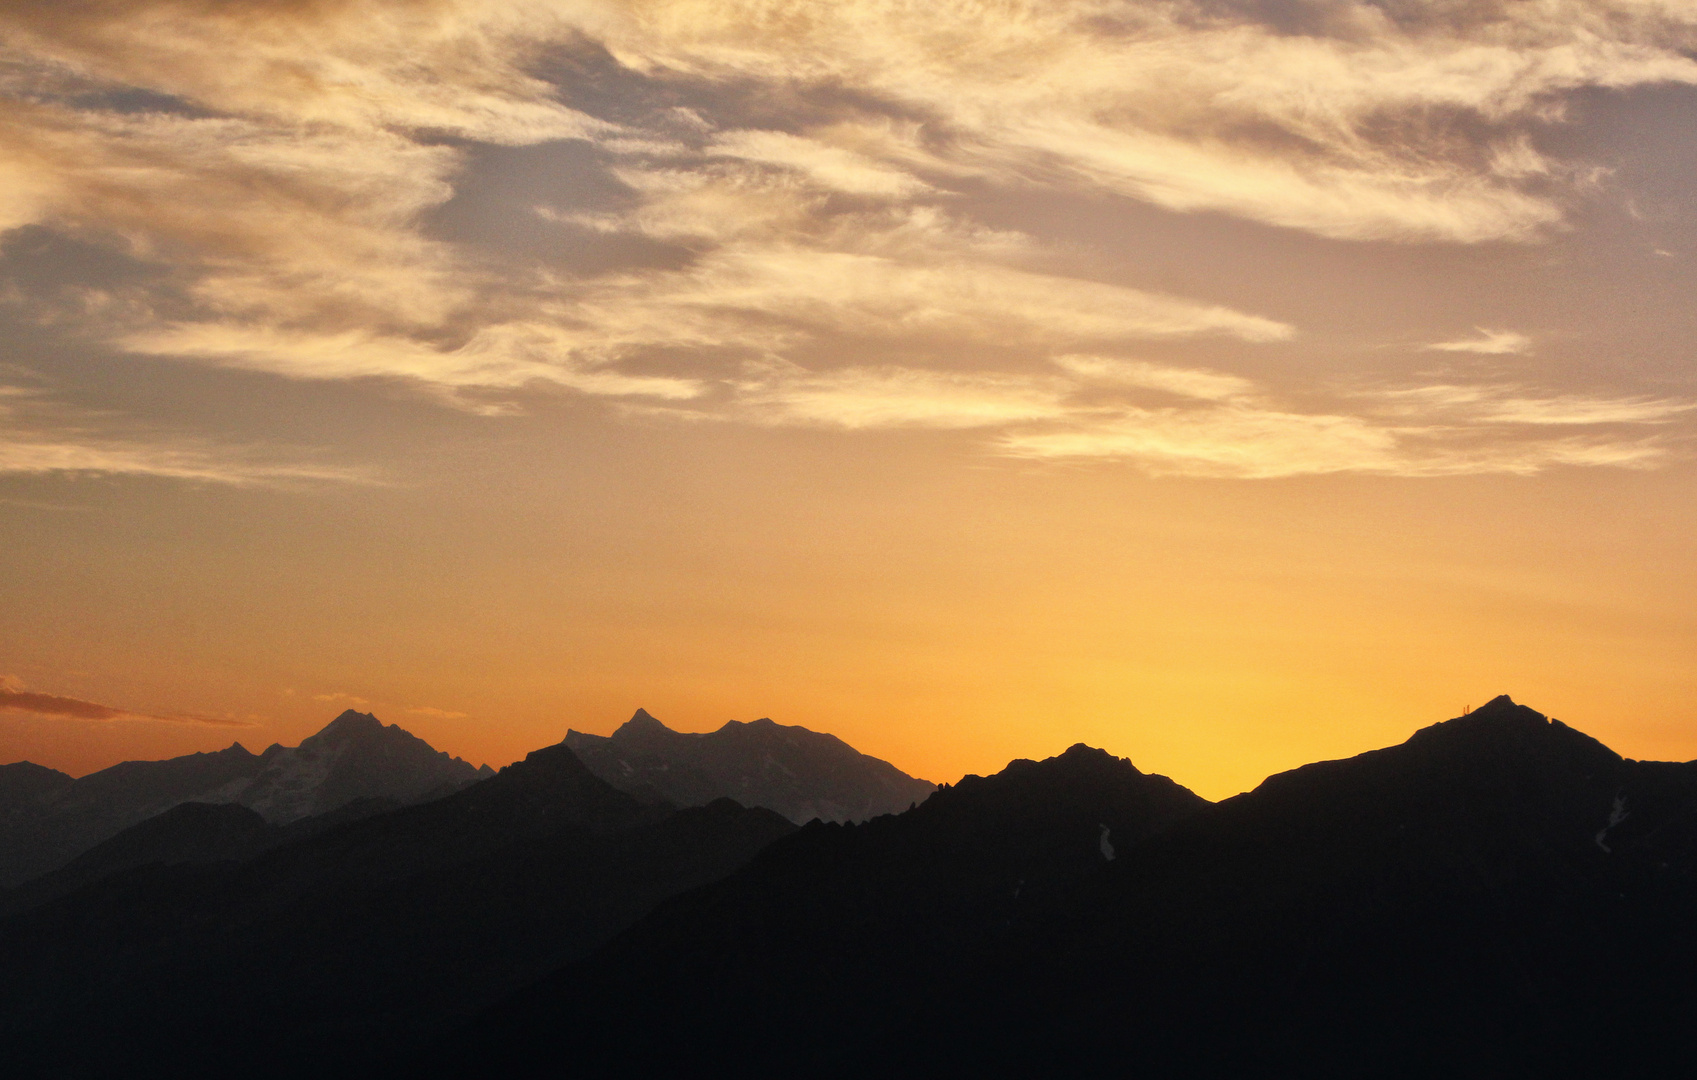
(1508, 404)
(437, 714)
(169, 462)
(1185, 382)
(830, 166)
(39, 436)
(367, 65)
(800, 178)
(862, 398)
(1238, 442)
(508, 355)
(1226, 426)
(1489, 342)
(338, 696)
(1230, 441)
(16, 699)
(1343, 128)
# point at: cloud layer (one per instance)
(782, 194)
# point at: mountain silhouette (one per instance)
(354, 757)
(799, 773)
(342, 944)
(1501, 895)
(47, 819)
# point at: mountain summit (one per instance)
(799, 773)
(355, 756)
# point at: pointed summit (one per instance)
(351, 723)
(1502, 703)
(1502, 727)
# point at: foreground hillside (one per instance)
(1499, 896)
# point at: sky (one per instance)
(1226, 383)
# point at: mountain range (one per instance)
(47, 818)
(1501, 896)
(799, 773)
(351, 943)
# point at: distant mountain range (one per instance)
(1499, 896)
(799, 773)
(47, 818)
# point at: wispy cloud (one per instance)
(1185, 382)
(338, 697)
(1228, 426)
(14, 698)
(862, 398)
(1229, 441)
(437, 714)
(1239, 442)
(1510, 404)
(821, 265)
(1489, 342)
(166, 461)
(1331, 129)
(831, 166)
(39, 436)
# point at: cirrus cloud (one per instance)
(14, 698)
(792, 185)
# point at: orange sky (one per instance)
(1229, 388)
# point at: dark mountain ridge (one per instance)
(799, 773)
(838, 931)
(1499, 896)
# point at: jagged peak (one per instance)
(1076, 759)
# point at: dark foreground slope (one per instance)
(1499, 896)
(799, 773)
(353, 945)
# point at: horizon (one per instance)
(1229, 385)
(641, 711)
